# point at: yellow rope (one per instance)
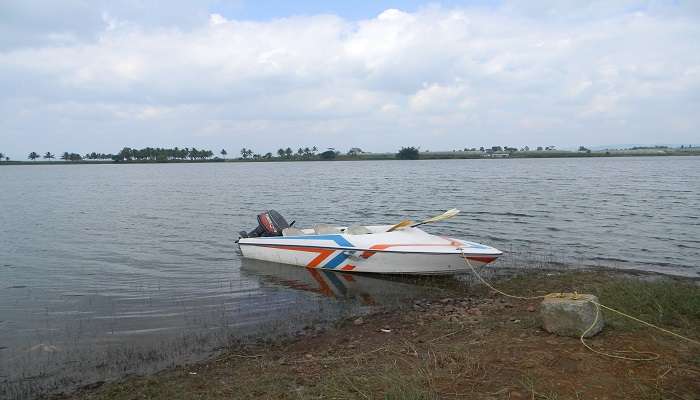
(647, 323)
(653, 356)
(574, 296)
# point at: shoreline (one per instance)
(466, 342)
(392, 156)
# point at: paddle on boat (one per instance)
(402, 248)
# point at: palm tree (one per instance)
(288, 152)
(1, 156)
(280, 152)
(33, 156)
(49, 156)
(223, 153)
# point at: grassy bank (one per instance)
(471, 343)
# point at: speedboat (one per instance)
(402, 248)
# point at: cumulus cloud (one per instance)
(440, 78)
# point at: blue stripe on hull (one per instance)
(336, 261)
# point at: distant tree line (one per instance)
(66, 156)
(163, 154)
(302, 153)
(129, 154)
(509, 149)
(71, 157)
(159, 154)
(408, 153)
(413, 153)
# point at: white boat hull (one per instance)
(411, 251)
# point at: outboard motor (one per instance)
(270, 223)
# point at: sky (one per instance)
(98, 75)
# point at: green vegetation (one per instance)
(246, 153)
(159, 154)
(673, 303)
(33, 156)
(71, 157)
(666, 303)
(408, 153)
(98, 156)
(329, 155)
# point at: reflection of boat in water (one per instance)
(334, 284)
(399, 249)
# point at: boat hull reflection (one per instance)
(369, 290)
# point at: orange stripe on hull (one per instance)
(322, 253)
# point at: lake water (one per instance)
(94, 258)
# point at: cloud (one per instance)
(554, 73)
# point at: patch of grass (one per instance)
(664, 303)
(539, 284)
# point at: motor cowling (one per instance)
(270, 223)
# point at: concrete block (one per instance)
(570, 315)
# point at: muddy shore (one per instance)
(460, 345)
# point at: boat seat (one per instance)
(357, 230)
(292, 232)
(323, 229)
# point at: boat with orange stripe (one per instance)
(402, 248)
